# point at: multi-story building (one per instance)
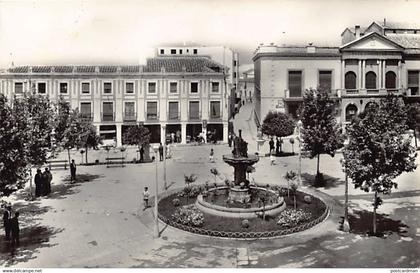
(184, 95)
(371, 62)
(246, 84)
(221, 54)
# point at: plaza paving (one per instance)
(99, 221)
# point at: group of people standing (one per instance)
(43, 182)
(11, 225)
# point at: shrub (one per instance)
(307, 199)
(245, 223)
(291, 217)
(189, 215)
(176, 202)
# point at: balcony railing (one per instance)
(108, 116)
(86, 116)
(215, 117)
(152, 116)
(194, 116)
(130, 116)
(176, 117)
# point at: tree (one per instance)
(189, 179)
(290, 176)
(413, 119)
(89, 138)
(320, 133)
(293, 188)
(292, 142)
(378, 152)
(137, 135)
(278, 124)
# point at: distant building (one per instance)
(246, 84)
(170, 94)
(371, 62)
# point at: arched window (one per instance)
(390, 80)
(351, 111)
(350, 80)
(371, 104)
(370, 80)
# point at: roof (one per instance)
(171, 64)
(405, 40)
(398, 25)
(369, 35)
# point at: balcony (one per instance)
(176, 117)
(107, 117)
(130, 116)
(368, 92)
(152, 117)
(194, 116)
(215, 117)
(86, 116)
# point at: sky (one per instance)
(41, 32)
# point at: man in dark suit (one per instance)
(161, 151)
(14, 223)
(7, 216)
(38, 183)
(73, 171)
(141, 154)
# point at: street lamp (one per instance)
(346, 225)
(299, 128)
(164, 158)
(156, 228)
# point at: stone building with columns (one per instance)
(371, 63)
(172, 95)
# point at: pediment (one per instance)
(372, 42)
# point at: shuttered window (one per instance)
(173, 87)
(85, 108)
(129, 109)
(85, 88)
(151, 87)
(295, 83)
(63, 88)
(413, 81)
(194, 110)
(351, 111)
(42, 88)
(18, 87)
(370, 80)
(129, 87)
(390, 80)
(350, 80)
(107, 88)
(325, 78)
(173, 110)
(108, 107)
(214, 87)
(151, 110)
(194, 87)
(215, 109)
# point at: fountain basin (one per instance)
(243, 213)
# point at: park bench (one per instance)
(57, 164)
(114, 161)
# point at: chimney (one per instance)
(357, 31)
(384, 22)
(310, 48)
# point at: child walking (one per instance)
(272, 159)
(211, 157)
(146, 195)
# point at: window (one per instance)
(85, 88)
(129, 87)
(63, 88)
(195, 51)
(162, 51)
(194, 87)
(215, 109)
(194, 110)
(151, 110)
(173, 51)
(173, 110)
(173, 87)
(350, 80)
(107, 88)
(371, 104)
(151, 87)
(129, 111)
(180, 51)
(351, 111)
(42, 88)
(413, 82)
(18, 87)
(390, 80)
(370, 80)
(85, 109)
(295, 83)
(234, 63)
(108, 111)
(234, 75)
(214, 87)
(325, 79)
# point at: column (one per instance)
(163, 133)
(343, 71)
(359, 74)
(225, 132)
(363, 73)
(399, 74)
(383, 73)
(119, 135)
(183, 133)
(380, 72)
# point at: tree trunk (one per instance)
(86, 151)
(288, 188)
(294, 201)
(374, 213)
(317, 166)
(68, 153)
(415, 137)
(293, 149)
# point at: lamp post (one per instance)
(164, 158)
(299, 128)
(156, 227)
(346, 225)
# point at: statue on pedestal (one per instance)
(240, 146)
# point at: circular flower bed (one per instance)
(184, 215)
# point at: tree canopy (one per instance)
(278, 124)
(137, 135)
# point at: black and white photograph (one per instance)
(271, 134)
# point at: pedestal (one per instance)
(239, 195)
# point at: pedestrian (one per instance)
(271, 143)
(38, 183)
(141, 153)
(14, 223)
(278, 144)
(146, 195)
(47, 178)
(73, 171)
(161, 151)
(211, 157)
(272, 159)
(7, 216)
(173, 137)
(230, 139)
(168, 151)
